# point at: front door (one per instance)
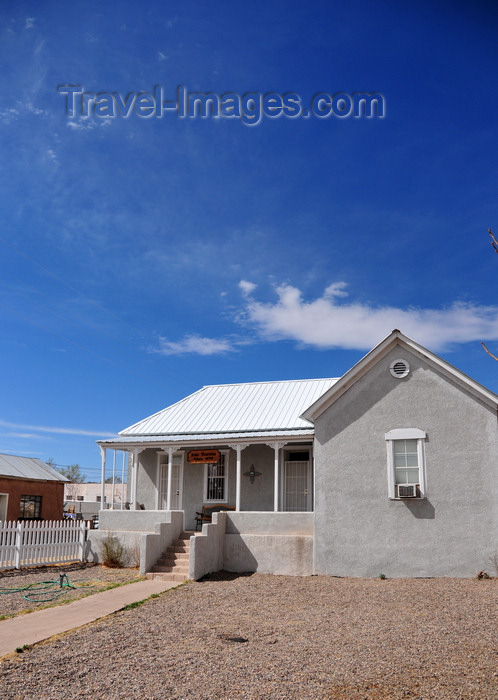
(4, 499)
(176, 483)
(297, 486)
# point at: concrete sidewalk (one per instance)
(42, 624)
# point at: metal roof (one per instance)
(236, 408)
(31, 468)
(208, 438)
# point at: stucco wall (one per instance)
(359, 530)
(259, 494)
(193, 480)
(265, 523)
(129, 540)
(136, 520)
(270, 543)
(147, 477)
(144, 534)
(206, 551)
(269, 554)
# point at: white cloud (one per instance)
(337, 289)
(7, 115)
(55, 430)
(325, 323)
(247, 287)
(20, 109)
(28, 436)
(194, 344)
(87, 124)
(30, 22)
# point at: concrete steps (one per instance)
(173, 564)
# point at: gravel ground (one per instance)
(88, 578)
(269, 637)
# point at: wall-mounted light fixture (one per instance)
(252, 474)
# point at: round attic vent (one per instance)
(399, 368)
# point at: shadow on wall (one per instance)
(238, 558)
(420, 508)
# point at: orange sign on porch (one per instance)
(203, 456)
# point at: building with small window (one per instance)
(391, 468)
(84, 500)
(30, 489)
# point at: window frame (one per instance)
(224, 459)
(406, 434)
(37, 506)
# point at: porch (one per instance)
(263, 475)
(263, 541)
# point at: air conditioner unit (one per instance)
(407, 491)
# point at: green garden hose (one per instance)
(46, 591)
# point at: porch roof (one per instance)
(223, 409)
(187, 439)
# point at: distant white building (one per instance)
(87, 498)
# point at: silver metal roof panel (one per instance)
(32, 468)
(224, 408)
(211, 438)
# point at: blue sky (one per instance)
(142, 258)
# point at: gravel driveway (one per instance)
(268, 637)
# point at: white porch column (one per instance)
(134, 477)
(113, 479)
(103, 455)
(123, 479)
(277, 446)
(238, 449)
(171, 450)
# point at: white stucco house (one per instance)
(390, 469)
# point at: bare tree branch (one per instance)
(494, 242)
(489, 353)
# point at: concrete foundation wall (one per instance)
(360, 531)
(206, 550)
(266, 523)
(269, 554)
(144, 534)
(271, 543)
(137, 520)
(131, 542)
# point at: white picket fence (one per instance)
(36, 543)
